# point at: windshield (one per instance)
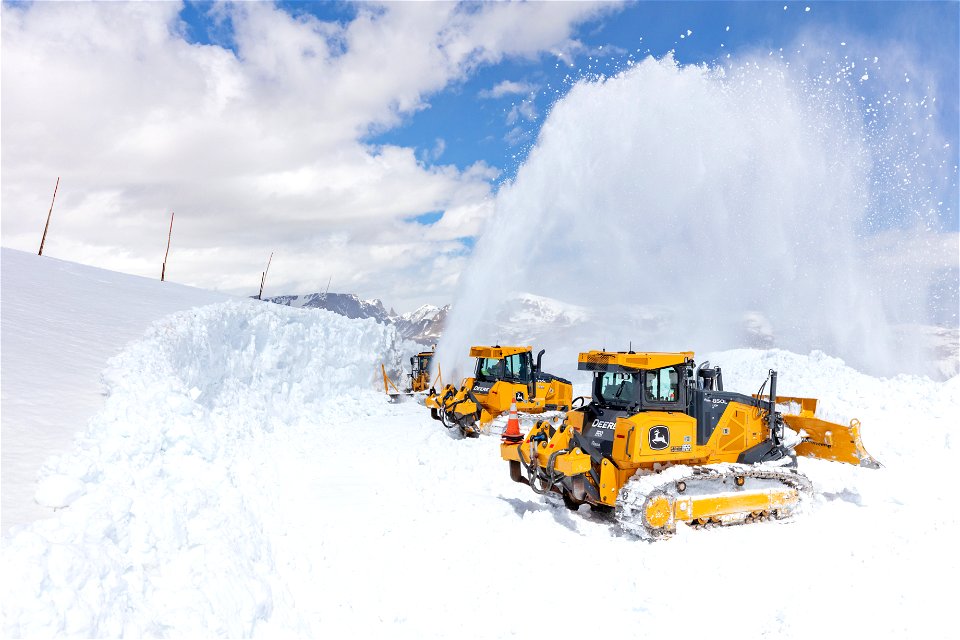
(424, 363)
(615, 388)
(662, 385)
(488, 369)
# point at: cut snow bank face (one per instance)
(159, 488)
(695, 207)
(61, 322)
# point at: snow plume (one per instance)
(682, 205)
(164, 488)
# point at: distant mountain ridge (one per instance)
(423, 325)
(530, 319)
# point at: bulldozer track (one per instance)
(639, 490)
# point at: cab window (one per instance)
(617, 388)
(662, 385)
(488, 369)
(517, 367)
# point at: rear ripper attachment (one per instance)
(502, 376)
(661, 442)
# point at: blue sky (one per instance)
(476, 129)
(364, 142)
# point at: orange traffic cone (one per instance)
(512, 432)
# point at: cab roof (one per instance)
(497, 351)
(629, 360)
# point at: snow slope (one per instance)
(243, 480)
(60, 323)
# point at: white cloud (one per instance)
(508, 87)
(259, 150)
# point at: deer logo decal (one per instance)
(659, 437)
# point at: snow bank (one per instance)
(62, 322)
(160, 513)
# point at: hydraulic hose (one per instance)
(533, 469)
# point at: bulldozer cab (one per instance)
(511, 364)
(420, 363)
(635, 382)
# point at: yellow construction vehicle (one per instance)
(503, 376)
(661, 442)
(418, 380)
(420, 371)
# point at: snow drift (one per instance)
(161, 488)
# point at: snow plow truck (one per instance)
(661, 442)
(503, 376)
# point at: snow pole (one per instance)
(263, 277)
(163, 271)
(49, 213)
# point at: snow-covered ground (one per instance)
(242, 478)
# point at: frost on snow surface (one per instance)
(243, 478)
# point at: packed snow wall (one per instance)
(711, 207)
(164, 507)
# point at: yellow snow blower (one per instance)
(418, 380)
(503, 376)
(661, 442)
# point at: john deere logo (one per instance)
(659, 437)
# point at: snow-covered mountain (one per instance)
(541, 321)
(346, 304)
(525, 318)
(423, 325)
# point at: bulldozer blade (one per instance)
(830, 441)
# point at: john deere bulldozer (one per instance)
(502, 376)
(661, 442)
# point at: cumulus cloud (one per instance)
(257, 144)
(506, 88)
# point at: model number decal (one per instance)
(684, 447)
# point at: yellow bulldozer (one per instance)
(661, 442)
(503, 376)
(418, 380)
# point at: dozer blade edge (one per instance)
(827, 440)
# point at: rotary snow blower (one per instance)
(418, 380)
(503, 376)
(661, 442)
